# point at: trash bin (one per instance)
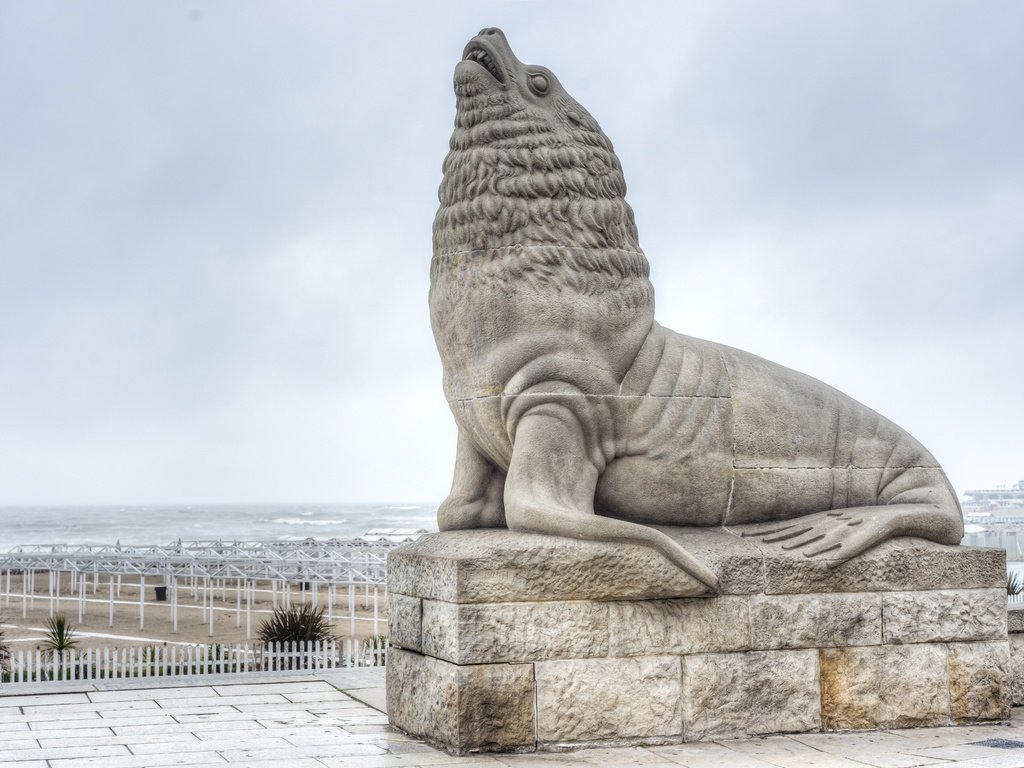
(161, 594)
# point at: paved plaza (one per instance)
(334, 720)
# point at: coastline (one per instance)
(122, 533)
(123, 620)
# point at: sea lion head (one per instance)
(535, 249)
(528, 165)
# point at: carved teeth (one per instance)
(481, 57)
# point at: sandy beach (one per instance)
(24, 622)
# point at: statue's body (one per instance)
(578, 414)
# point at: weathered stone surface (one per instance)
(815, 621)
(744, 694)
(505, 632)
(1015, 669)
(570, 398)
(543, 314)
(461, 709)
(481, 566)
(756, 488)
(737, 562)
(405, 621)
(494, 566)
(889, 686)
(979, 682)
(651, 627)
(595, 700)
(1015, 620)
(417, 573)
(944, 615)
(895, 565)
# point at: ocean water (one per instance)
(163, 524)
(167, 523)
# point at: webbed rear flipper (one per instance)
(841, 534)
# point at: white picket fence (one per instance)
(166, 660)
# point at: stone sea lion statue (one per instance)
(581, 416)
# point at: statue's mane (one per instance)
(617, 278)
(520, 175)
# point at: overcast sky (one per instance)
(215, 225)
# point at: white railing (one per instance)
(33, 666)
(1015, 598)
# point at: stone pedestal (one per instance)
(1015, 627)
(515, 642)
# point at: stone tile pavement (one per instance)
(333, 720)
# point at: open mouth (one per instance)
(478, 55)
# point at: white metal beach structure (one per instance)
(205, 568)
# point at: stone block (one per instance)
(902, 564)
(608, 700)
(731, 695)
(462, 709)
(509, 632)
(405, 621)
(1015, 619)
(944, 615)
(698, 491)
(979, 683)
(652, 627)
(508, 641)
(888, 686)
(758, 488)
(815, 621)
(770, 402)
(1015, 670)
(501, 566)
(737, 562)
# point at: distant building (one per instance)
(1006, 496)
(995, 518)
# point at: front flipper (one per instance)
(550, 489)
(845, 533)
(475, 500)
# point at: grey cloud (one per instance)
(214, 231)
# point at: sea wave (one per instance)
(161, 524)
(300, 521)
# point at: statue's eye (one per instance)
(538, 84)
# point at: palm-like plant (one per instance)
(1014, 585)
(5, 652)
(300, 623)
(59, 634)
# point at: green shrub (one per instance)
(1014, 585)
(300, 623)
(59, 634)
